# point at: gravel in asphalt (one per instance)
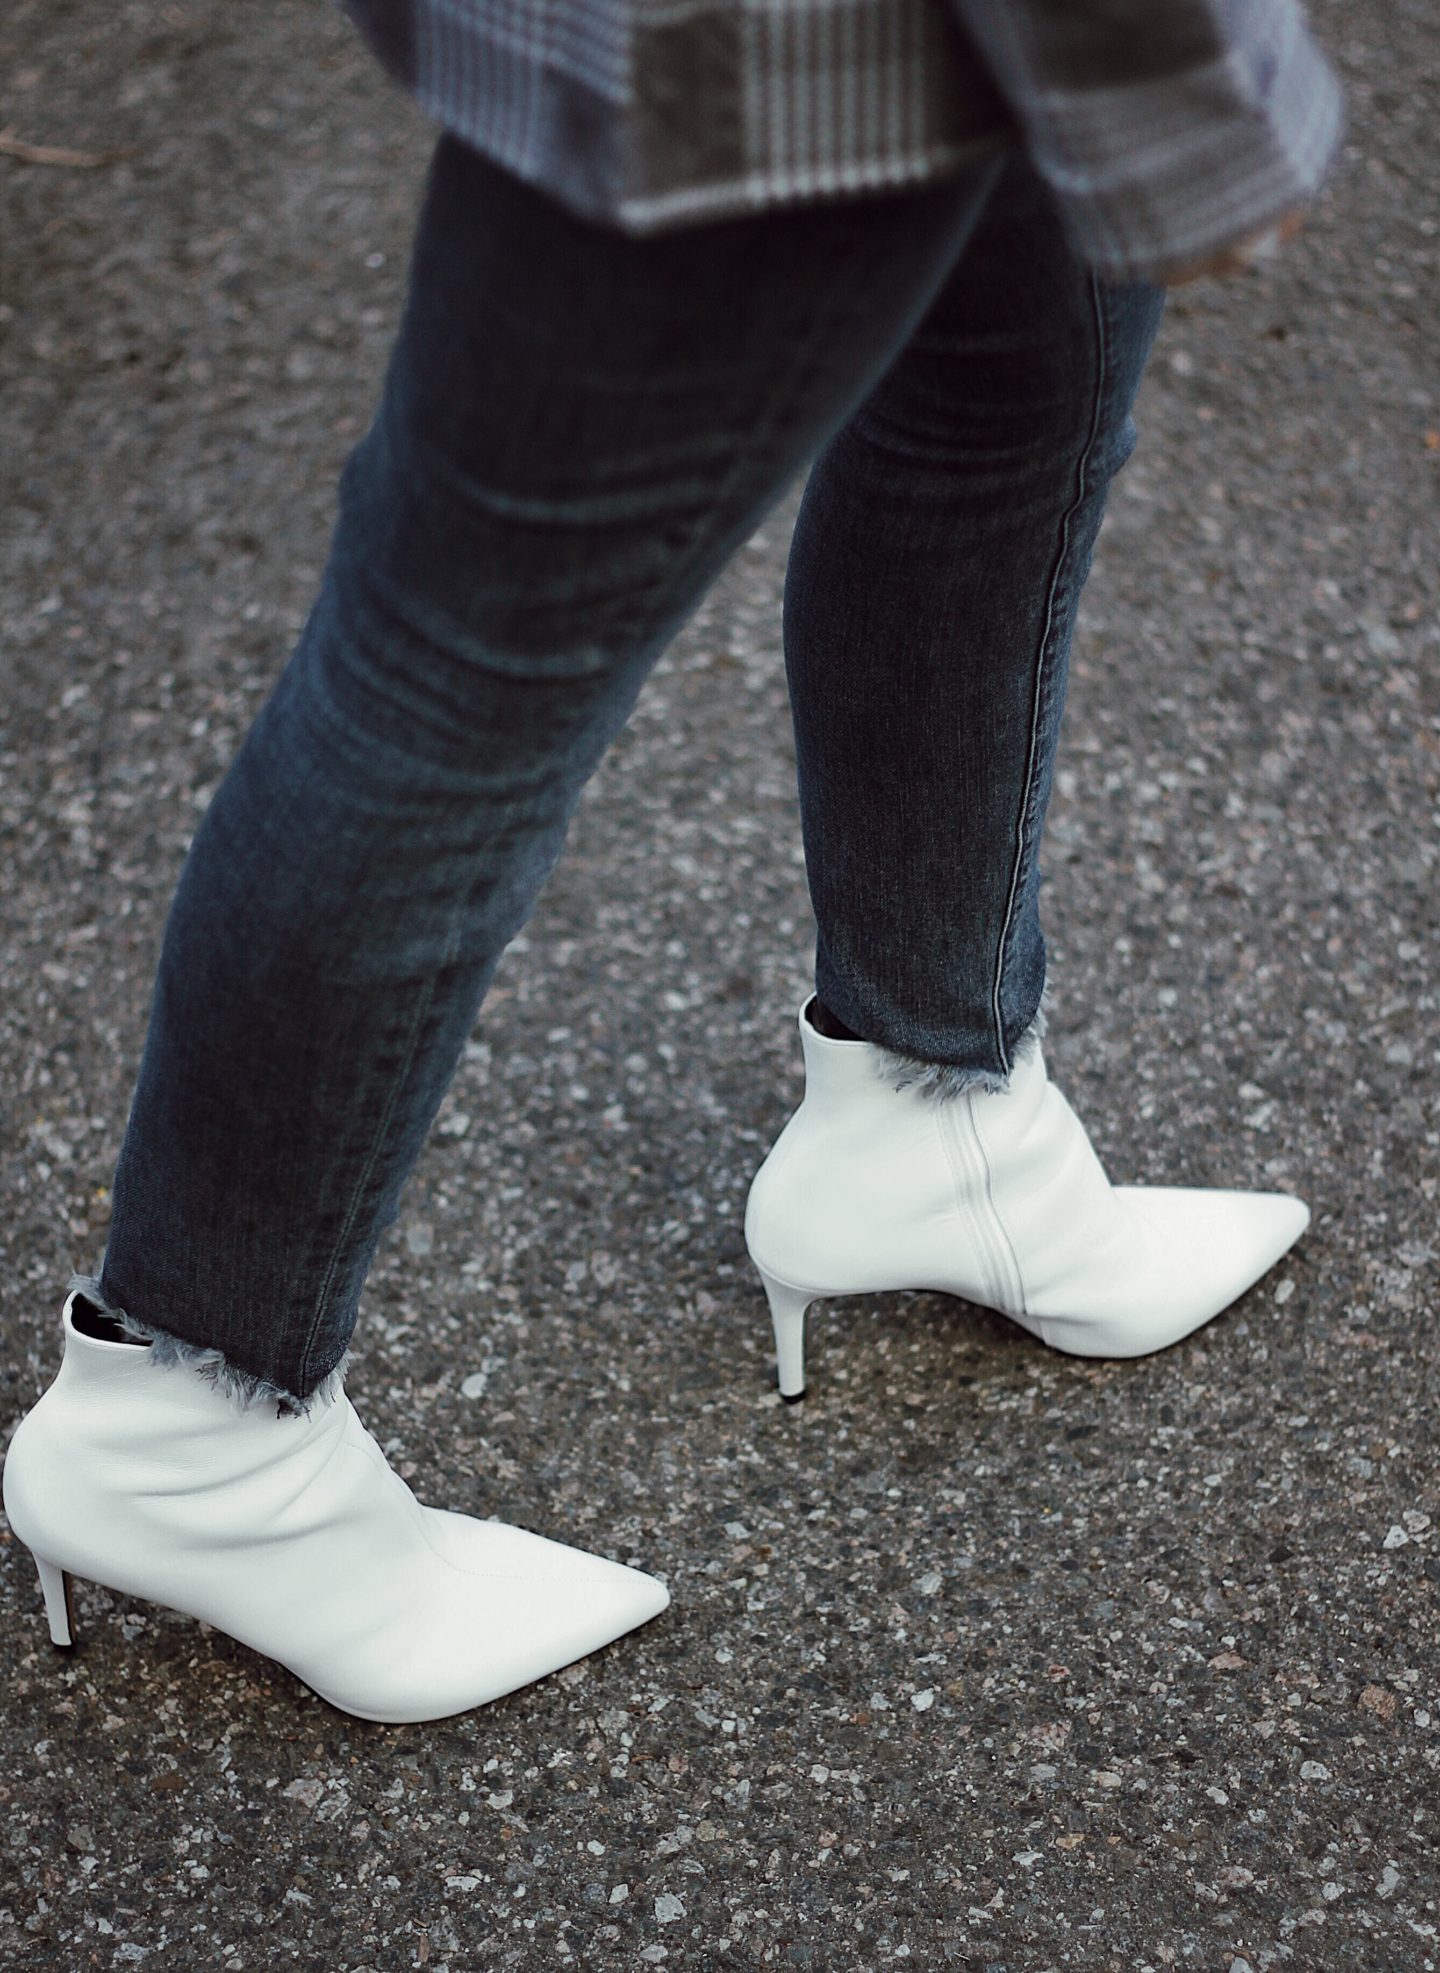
(983, 1657)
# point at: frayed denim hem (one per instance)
(946, 1080)
(240, 1388)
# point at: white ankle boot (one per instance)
(997, 1198)
(294, 1536)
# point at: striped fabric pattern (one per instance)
(857, 96)
(658, 112)
(1219, 119)
(1165, 128)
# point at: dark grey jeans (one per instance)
(577, 430)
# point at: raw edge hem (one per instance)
(944, 1081)
(243, 1389)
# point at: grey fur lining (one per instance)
(944, 1081)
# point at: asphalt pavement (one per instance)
(983, 1657)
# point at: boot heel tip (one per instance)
(59, 1599)
(793, 1397)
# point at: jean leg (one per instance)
(577, 429)
(935, 572)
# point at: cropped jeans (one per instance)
(577, 429)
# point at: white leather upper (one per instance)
(296, 1536)
(999, 1198)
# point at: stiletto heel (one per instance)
(59, 1604)
(787, 1317)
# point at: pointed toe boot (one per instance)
(996, 1197)
(294, 1535)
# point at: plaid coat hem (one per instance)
(1164, 132)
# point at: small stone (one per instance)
(475, 1385)
(1380, 1700)
(668, 1909)
(929, 1585)
(1226, 1661)
(619, 1893)
(1389, 1882)
(1396, 1538)
(923, 1701)
(81, 1837)
(305, 1790)
(1314, 1771)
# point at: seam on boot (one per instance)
(240, 1388)
(1002, 1286)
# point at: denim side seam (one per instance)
(242, 1389)
(1026, 844)
(942, 1082)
